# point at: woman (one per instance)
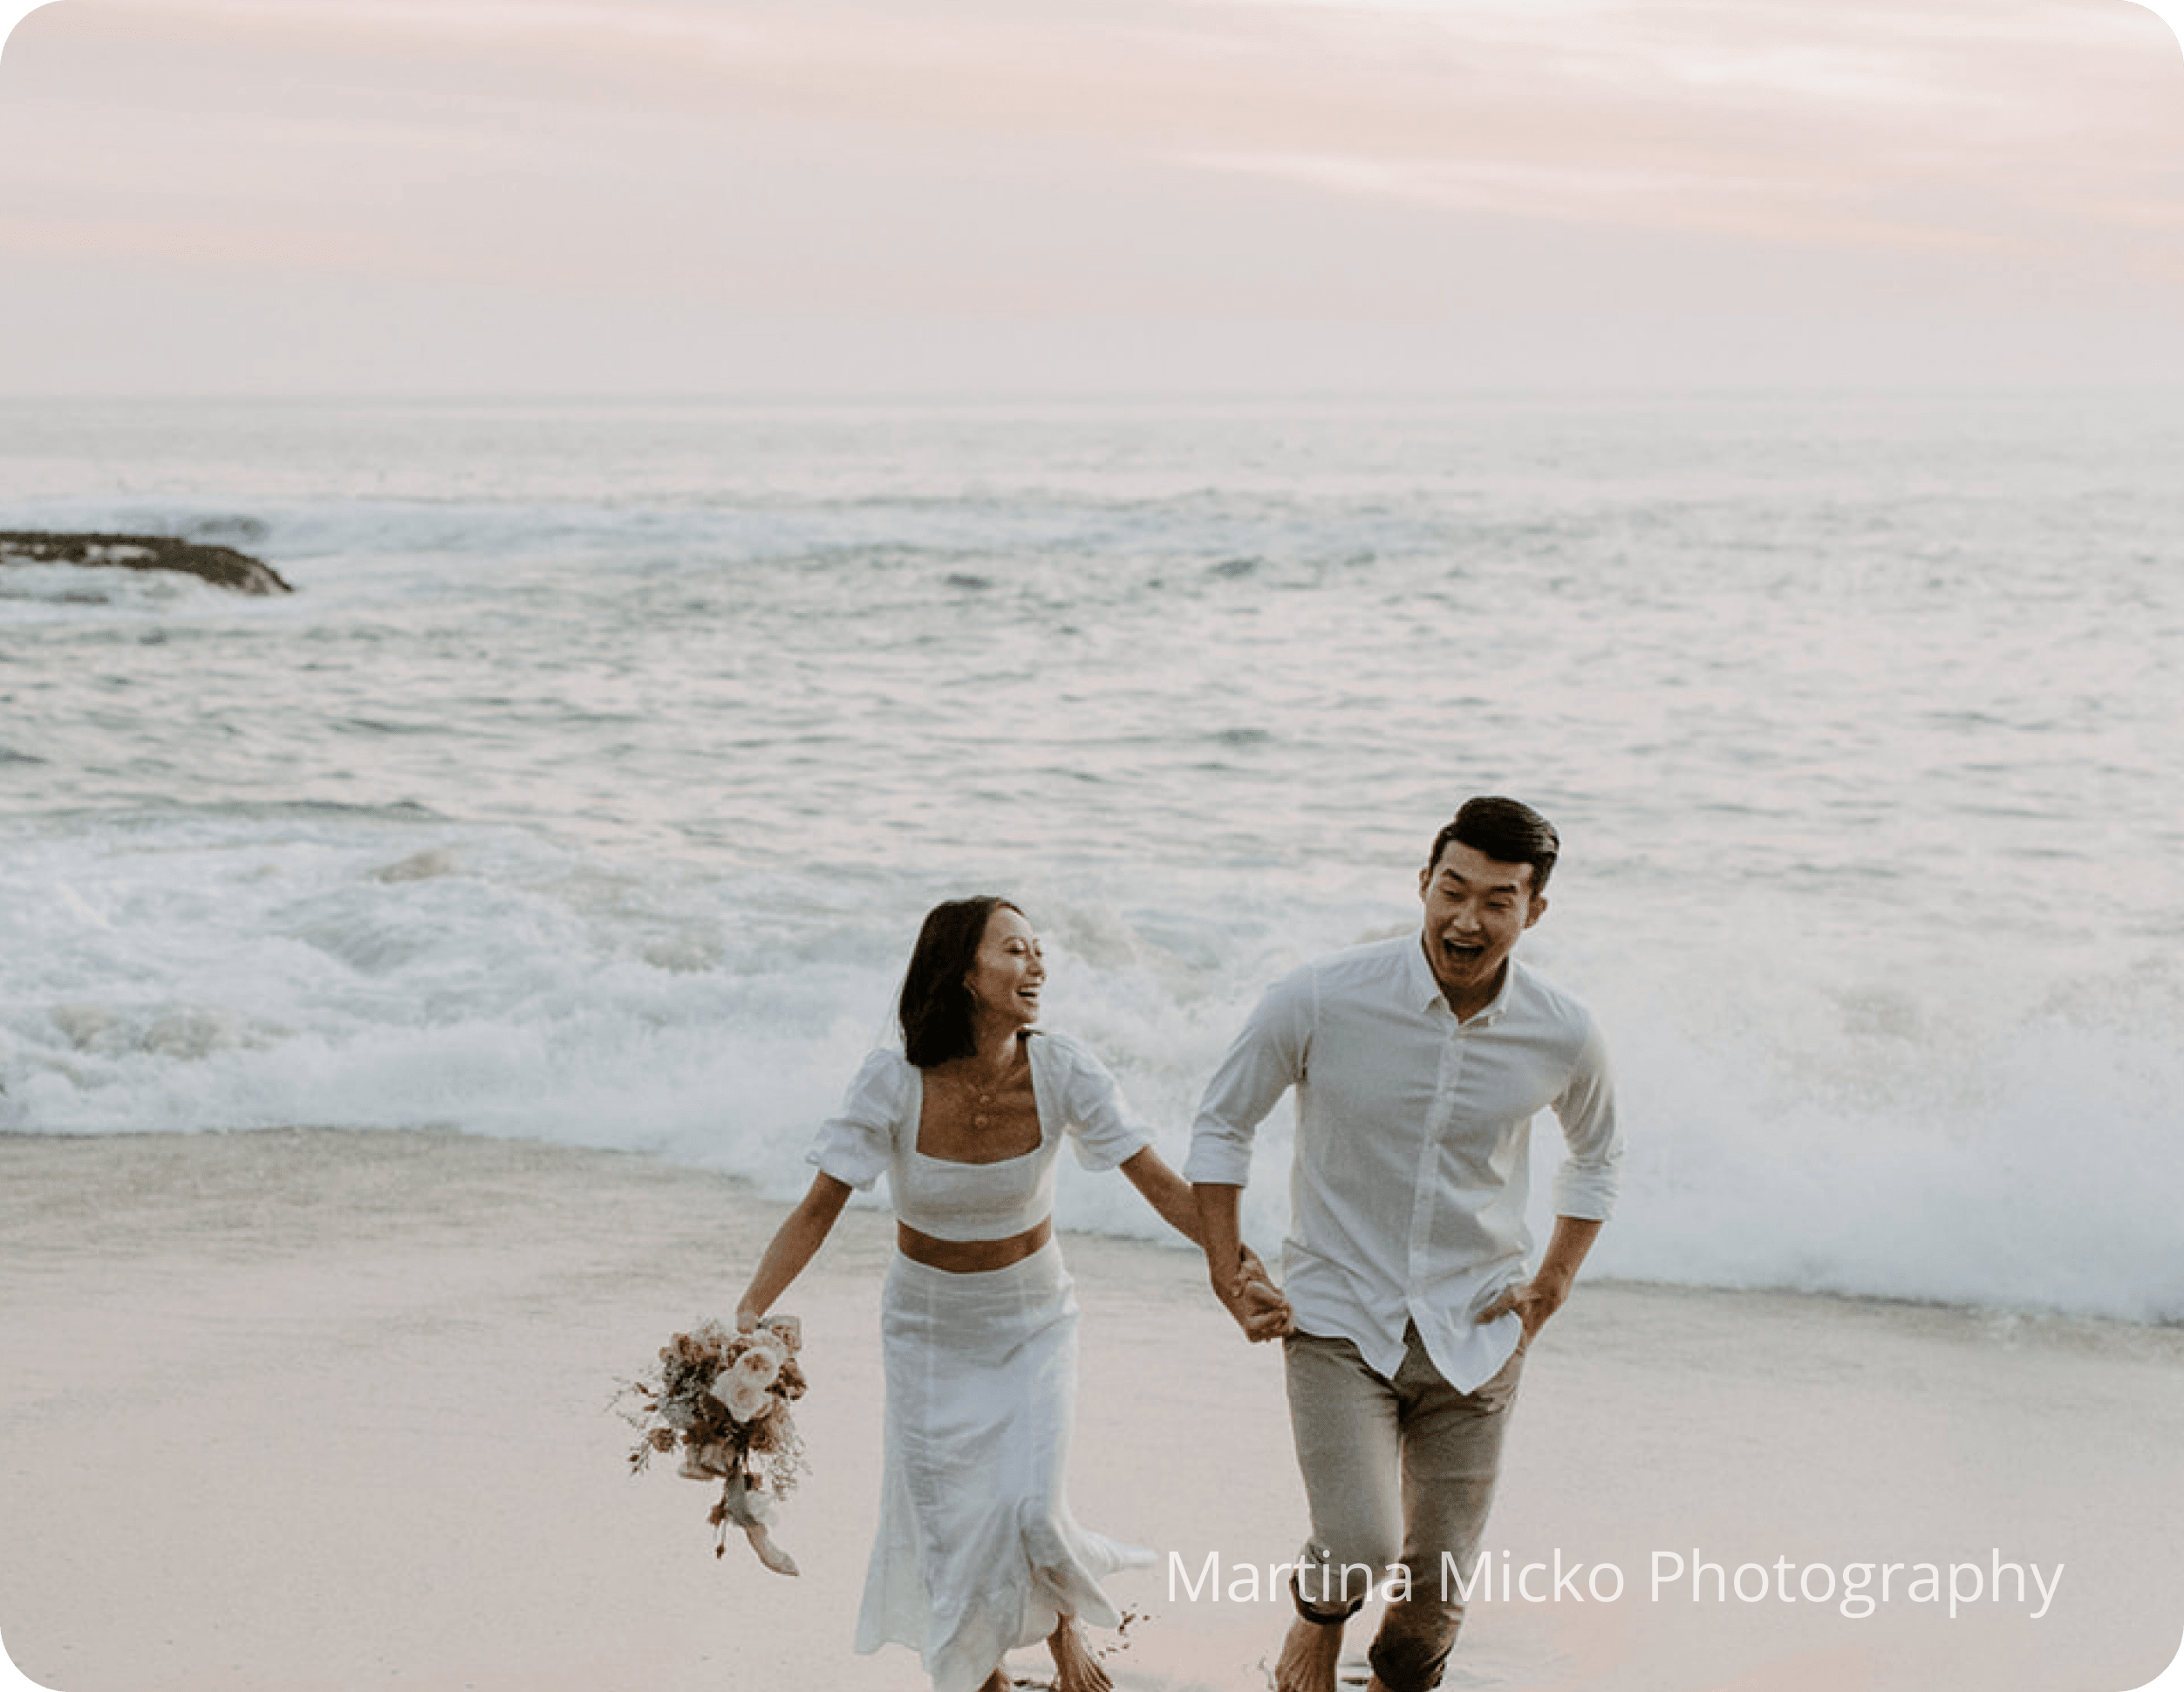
(977, 1551)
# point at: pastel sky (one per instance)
(827, 196)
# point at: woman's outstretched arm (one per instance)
(1164, 1190)
(794, 1242)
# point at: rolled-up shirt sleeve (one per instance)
(1101, 1131)
(1585, 1186)
(1265, 1059)
(855, 1144)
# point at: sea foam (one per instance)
(307, 967)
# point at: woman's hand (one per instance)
(1257, 1281)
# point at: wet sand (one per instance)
(323, 1411)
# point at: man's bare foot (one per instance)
(998, 1682)
(1309, 1656)
(1075, 1668)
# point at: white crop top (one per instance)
(876, 1129)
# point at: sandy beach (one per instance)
(322, 1410)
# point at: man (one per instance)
(1419, 1065)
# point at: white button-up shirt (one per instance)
(1410, 1169)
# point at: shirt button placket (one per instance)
(1424, 1188)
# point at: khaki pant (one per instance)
(1395, 1472)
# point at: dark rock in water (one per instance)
(220, 565)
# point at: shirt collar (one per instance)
(1499, 1003)
(1425, 991)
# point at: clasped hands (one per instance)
(1251, 1296)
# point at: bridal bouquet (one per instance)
(722, 1397)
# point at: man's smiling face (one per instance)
(1476, 907)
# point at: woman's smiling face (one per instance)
(1007, 972)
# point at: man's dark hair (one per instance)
(935, 1008)
(1506, 830)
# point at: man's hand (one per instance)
(1540, 1297)
(1240, 1280)
(1533, 1300)
(1250, 1295)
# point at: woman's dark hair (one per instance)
(1508, 832)
(935, 1008)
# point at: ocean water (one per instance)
(591, 785)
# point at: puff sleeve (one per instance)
(1101, 1128)
(857, 1142)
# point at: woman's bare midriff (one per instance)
(970, 1256)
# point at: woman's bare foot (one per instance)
(998, 1682)
(1075, 1668)
(1308, 1657)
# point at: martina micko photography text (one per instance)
(1858, 1590)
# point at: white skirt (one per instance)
(977, 1551)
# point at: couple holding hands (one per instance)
(1405, 1307)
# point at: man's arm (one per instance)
(1540, 1297)
(1264, 1061)
(1175, 1201)
(1251, 1297)
(1584, 1186)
